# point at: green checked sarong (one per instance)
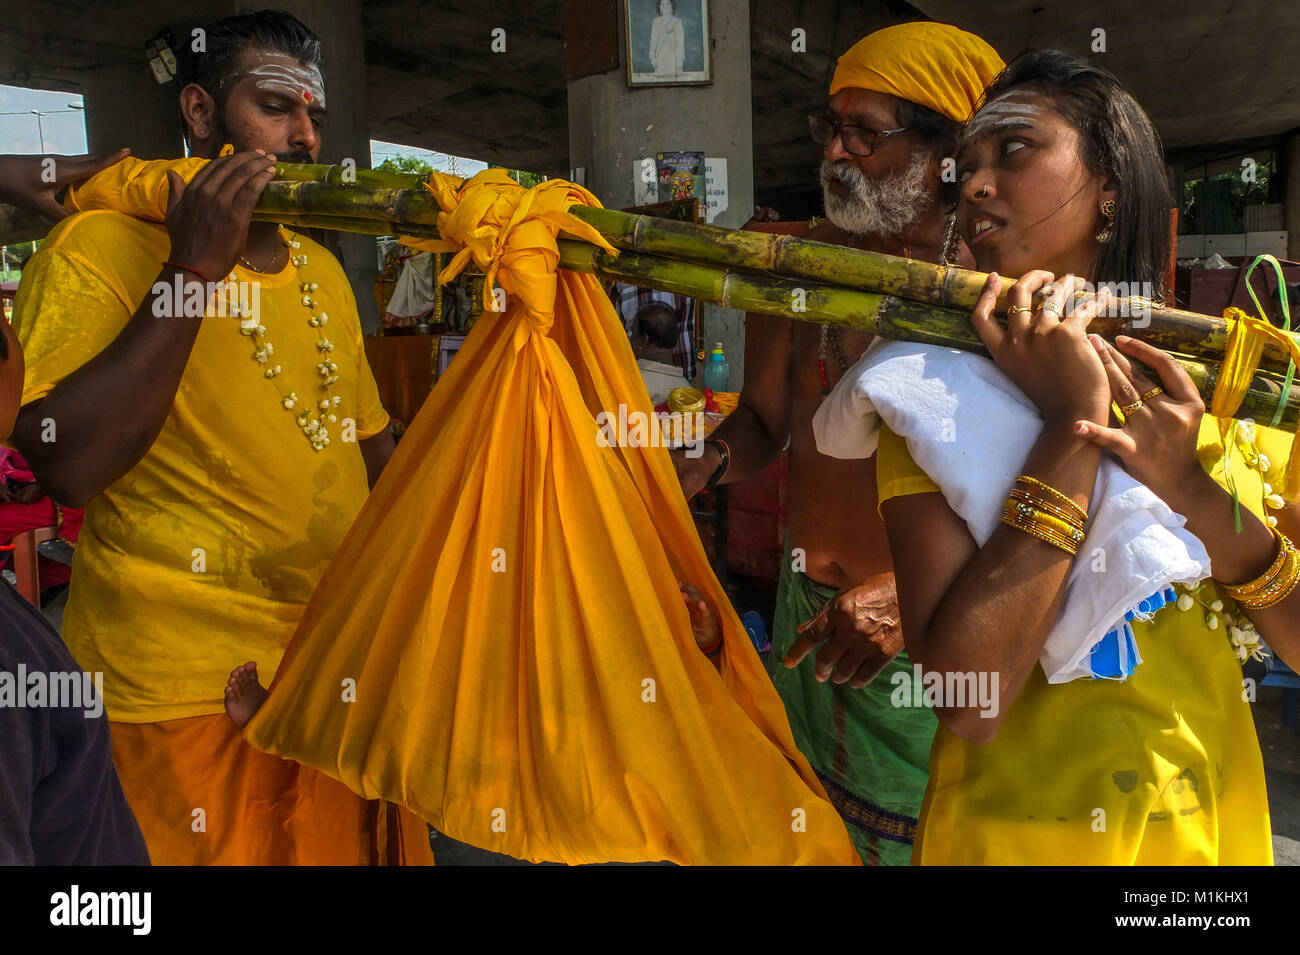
(872, 757)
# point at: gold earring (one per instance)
(1107, 210)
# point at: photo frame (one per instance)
(668, 43)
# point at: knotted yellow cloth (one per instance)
(1247, 335)
(500, 644)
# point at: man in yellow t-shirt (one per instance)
(220, 459)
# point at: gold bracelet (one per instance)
(1239, 591)
(1274, 594)
(1047, 506)
(1069, 502)
(1043, 534)
(1045, 538)
(1044, 522)
(1272, 587)
(1064, 528)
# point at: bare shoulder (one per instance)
(827, 231)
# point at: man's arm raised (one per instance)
(108, 412)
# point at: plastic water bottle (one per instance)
(716, 370)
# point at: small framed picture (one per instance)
(667, 42)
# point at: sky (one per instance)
(64, 127)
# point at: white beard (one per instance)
(884, 207)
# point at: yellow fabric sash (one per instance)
(1247, 335)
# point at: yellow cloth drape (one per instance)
(1247, 335)
(138, 187)
(500, 644)
(1163, 768)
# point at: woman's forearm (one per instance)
(1236, 558)
(999, 609)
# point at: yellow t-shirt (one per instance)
(1163, 768)
(204, 554)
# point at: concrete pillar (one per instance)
(126, 107)
(347, 133)
(1291, 197)
(611, 126)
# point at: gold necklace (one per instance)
(266, 271)
(313, 420)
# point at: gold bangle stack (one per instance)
(1043, 512)
(1275, 584)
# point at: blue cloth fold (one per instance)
(1115, 655)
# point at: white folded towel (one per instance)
(970, 429)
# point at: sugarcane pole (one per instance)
(771, 274)
(884, 315)
(402, 203)
(375, 227)
(1169, 329)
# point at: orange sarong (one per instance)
(203, 796)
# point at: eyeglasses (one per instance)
(856, 140)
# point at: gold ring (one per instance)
(1127, 410)
(1050, 308)
(1157, 390)
(1015, 310)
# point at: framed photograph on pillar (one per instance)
(667, 42)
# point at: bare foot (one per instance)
(244, 695)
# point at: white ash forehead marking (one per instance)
(295, 79)
(1008, 106)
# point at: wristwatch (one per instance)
(721, 471)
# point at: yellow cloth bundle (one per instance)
(500, 644)
(506, 605)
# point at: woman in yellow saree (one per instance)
(1062, 177)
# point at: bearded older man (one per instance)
(898, 100)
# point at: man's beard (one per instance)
(884, 207)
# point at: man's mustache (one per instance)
(295, 155)
(842, 171)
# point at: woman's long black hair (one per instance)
(1116, 140)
